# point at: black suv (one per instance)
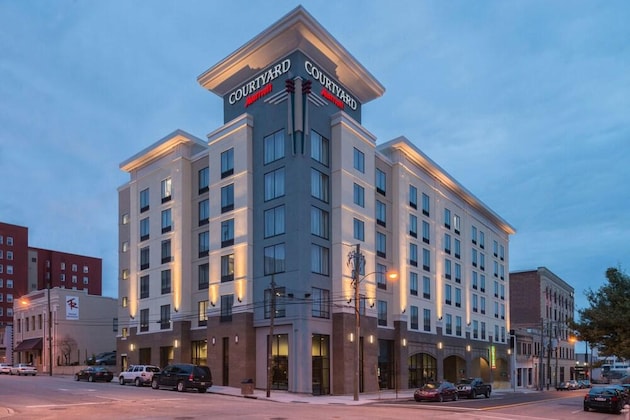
(183, 376)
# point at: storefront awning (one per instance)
(29, 344)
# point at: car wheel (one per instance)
(455, 397)
(121, 380)
(417, 399)
(138, 382)
(90, 378)
(487, 394)
(180, 386)
(76, 377)
(586, 407)
(473, 394)
(440, 398)
(155, 384)
(202, 390)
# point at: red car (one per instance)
(436, 391)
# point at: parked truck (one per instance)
(472, 387)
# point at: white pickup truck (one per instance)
(23, 369)
(138, 375)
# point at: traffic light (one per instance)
(306, 87)
(290, 85)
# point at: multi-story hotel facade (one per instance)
(243, 243)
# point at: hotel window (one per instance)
(475, 329)
(227, 163)
(144, 229)
(165, 317)
(9, 240)
(501, 252)
(458, 297)
(474, 258)
(503, 311)
(496, 332)
(381, 245)
(9, 297)
(413, 317)
(203, 276)
(413, 197)
(167, 223)
(382, 313)
(144, 200)
(321, 303)
(495, 249)
(359, 160)
(426, 232)
(474, 280)
(204, 180)
(274, 184)
(227, 302)
(85, 280)
(202, 313)
(502, 272)
(483, 330)
(359, 229)
(482, 261)
(204, 212)
(447, 269)
(1, 297)
(74, 279)
(319, 148)
(456, 224)
(482, 240)
(426, 205)
(144, 320)
(166, 251)
(273, 146)
(495, 269)
(358, 195)
(144, 287)
(204, 244)
(319, 259)
(413, 283)
(449, 324)
(426, 259)
(319, 185)
(458, 326)
(227, 268)
(278, 302)
(447, 243)
(274, 221)
(381, 182)
(74, 266)
(413, 254)
(475, 303)
(167, 190)
(496, 289)
(125, 332)
(319, 222)
(144, 258)
(447, 218)
(227, 233)
(9, 269)
(473, 235)
(426, 318)
(482, 305)
(166, 281)
(274, 259)
(448, 294)
(426, 287)
(381, 213)
(9, 284)
(458, 273)
(227, 198)
(458, 248)
(381, 280)
(10, 312)
(413, 226)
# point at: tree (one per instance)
(606, 323)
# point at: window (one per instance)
(482, 240)
(448, 273)
(448, 294)
(458, 297)
(458, 273)
(166, 190)
(274, 221)
(74, 266)
(381, 182)
(381, 213)
(125, 275)
(482, 261)
(125, 219)
(475, 303)
(501, 252)
(125, 246)
(381, 281)
(496, 289)
(458, 326)
(227, 163)
(227, 198)
(413, 226)
(426, 259)
(475, 329)
(203, 276)
(495, 270)
(204, 244)
(413, 197)
(166, 281)
(144, 287)
(165, 317)
(458, 248)
(203, 177)
(382, 313)
(274, 259)
(447, 218)
(359, 160)
(482, 305)
(447, 243)
(276, 301)
(166, 221)
(319, 148)
(426, 315)
(204, 212)
(449, 324)
(319, 222)
(227, 268)
(495, 249)
(144, 320)
(166, 251)
(359, 230)
(426, 287)
(413, 254)
(144, 258)
(274, 184)
(321, 303)
(227, 302)
(473, 235)
(144, 229)
(359, 195)
(319, 259)
(202, 313)
(413, 283)
(456, 223)
(483, 330)
(227, 233)
(425, 204)
(319, 185)
(144, 200)
(273, 146)
(413, 317)
(381, 245)
(474, 257)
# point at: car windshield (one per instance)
(153, 369)
(431, 386)
(466, 381)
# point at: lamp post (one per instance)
(50, 362)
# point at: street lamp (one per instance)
(356, 260)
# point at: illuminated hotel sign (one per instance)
(330, 90)
(260, 85)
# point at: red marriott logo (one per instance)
(256, 96)
(332, 98)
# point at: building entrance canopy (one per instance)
(29, 344)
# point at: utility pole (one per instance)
(357, 320)
(50, 361)
(541, 355)
(270, 339)
(549, 356)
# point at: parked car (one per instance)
(603, 398)
(23, 369)
(138, 375)
(103, 358)
(436, 391)
(5, 368)
(472, 387)
(568, 385)
(94, 373)
(584, 383)
(183, 376)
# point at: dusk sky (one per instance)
(525, 103)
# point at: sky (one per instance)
(525, 103)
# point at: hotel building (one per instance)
(241, 245)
